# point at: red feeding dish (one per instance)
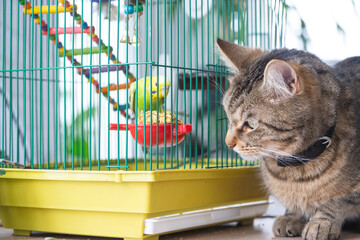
(170, 133)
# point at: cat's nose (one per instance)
(230, 140)
(231, 146)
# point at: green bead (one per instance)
(22, 2)
(77, 17)
(106, 48)
(138, 8)
(52, 37)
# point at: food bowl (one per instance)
(157, 133)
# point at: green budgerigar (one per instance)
(152, 94)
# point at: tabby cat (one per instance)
(301, 118)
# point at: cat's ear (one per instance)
(280, 79)
(236, 57)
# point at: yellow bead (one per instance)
(37, 20)
(61, 49)
(114, 62)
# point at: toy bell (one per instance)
(132, 6)
(135, 41)
(125, 39)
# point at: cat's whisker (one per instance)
(255, 155)
(224, 102)
(274, 157)
(217, 85)
(250, 148)
(259, 157)
(267, 155)
(283, 162)
(285, 154)
(221, 103)
(280, 153)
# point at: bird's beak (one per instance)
(154, 94)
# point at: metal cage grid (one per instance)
(62, 91)
(56, 119)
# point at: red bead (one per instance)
(95, 39)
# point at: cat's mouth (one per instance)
(246, 155)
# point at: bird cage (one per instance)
(111, 115)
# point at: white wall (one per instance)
(321, 17)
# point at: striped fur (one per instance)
(322, 193)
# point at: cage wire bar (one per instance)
(67, 70)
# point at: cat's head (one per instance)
(278, 103)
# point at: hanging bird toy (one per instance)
(132, 7)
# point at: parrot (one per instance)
(158, 83)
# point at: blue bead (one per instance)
(112, 58)
(59, 45)
(129, 9)
(85, 25)
(35, 16)
(87, 76)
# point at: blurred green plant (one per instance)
(79, 121)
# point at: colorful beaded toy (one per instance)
(90, 31)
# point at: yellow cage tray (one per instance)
(121, 203)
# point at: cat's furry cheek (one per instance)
(274, 101)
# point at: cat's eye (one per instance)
(250, 125)
(253, 124)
